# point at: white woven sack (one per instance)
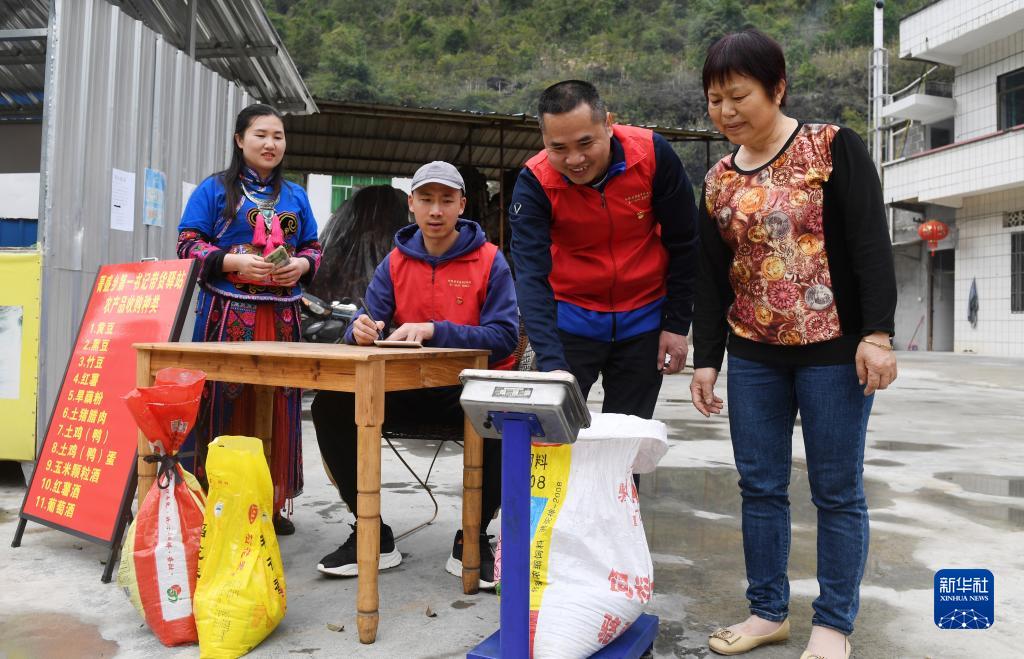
(600, 574)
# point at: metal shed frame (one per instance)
(135, 85)
(376, 139)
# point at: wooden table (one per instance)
(368, 372)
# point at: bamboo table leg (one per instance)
(472, 501)
(145, 470)
(369, 417)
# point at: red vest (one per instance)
(454, 291)
(606, 250)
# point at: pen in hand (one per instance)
(366, 310)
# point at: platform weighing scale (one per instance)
(520, 407)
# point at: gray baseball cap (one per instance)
(439, 172)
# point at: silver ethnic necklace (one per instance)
(266, 207)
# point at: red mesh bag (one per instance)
(161, 548)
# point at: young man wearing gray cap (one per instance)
(445, 286)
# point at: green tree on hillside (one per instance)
(644, 55)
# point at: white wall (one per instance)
(19, 196)
(983, 253)
(948, 175)
(318, 188)
(974, 88)
(403, 184)
(947, 30)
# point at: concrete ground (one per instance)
(945, 481)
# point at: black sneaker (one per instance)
(342, 561)
(454, 565)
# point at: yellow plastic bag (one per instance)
(126, 577)
(240, 592)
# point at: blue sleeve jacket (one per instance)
(498, 328)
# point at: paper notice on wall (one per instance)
(122, 200)
(10, 365)
(186, 191)
(153, 198)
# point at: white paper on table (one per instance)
(186, 191)
(122, 200)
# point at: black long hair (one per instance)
(229, 177)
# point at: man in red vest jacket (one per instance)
(604, 243)
(445, 286)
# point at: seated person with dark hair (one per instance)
(445, 286)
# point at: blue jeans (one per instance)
(763, 403)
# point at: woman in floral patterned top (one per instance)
(797, 279)
(232, 221)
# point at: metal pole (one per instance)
(877, 87)
(515, 539)
(52, 103)
(501, 187)
(193, 6)
(931, 296)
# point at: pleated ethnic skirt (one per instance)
(229, 408)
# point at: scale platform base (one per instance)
(637, 640)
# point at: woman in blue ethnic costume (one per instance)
(231, 222)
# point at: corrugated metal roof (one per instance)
(120, 96)
(360, 138)
(233, 37)
(21, 61)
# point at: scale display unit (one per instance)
(519, 408)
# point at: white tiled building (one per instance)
(970, 174)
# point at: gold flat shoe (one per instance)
(724, 641)
(808, 655)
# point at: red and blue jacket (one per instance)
(467, 293)
(608, 261)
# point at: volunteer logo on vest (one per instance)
(635, 201)
(640, 196)
(964, 599)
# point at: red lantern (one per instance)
(933, 231)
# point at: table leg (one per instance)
(146, 470)
(369, 417)
(263, 423)
(472, 502)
